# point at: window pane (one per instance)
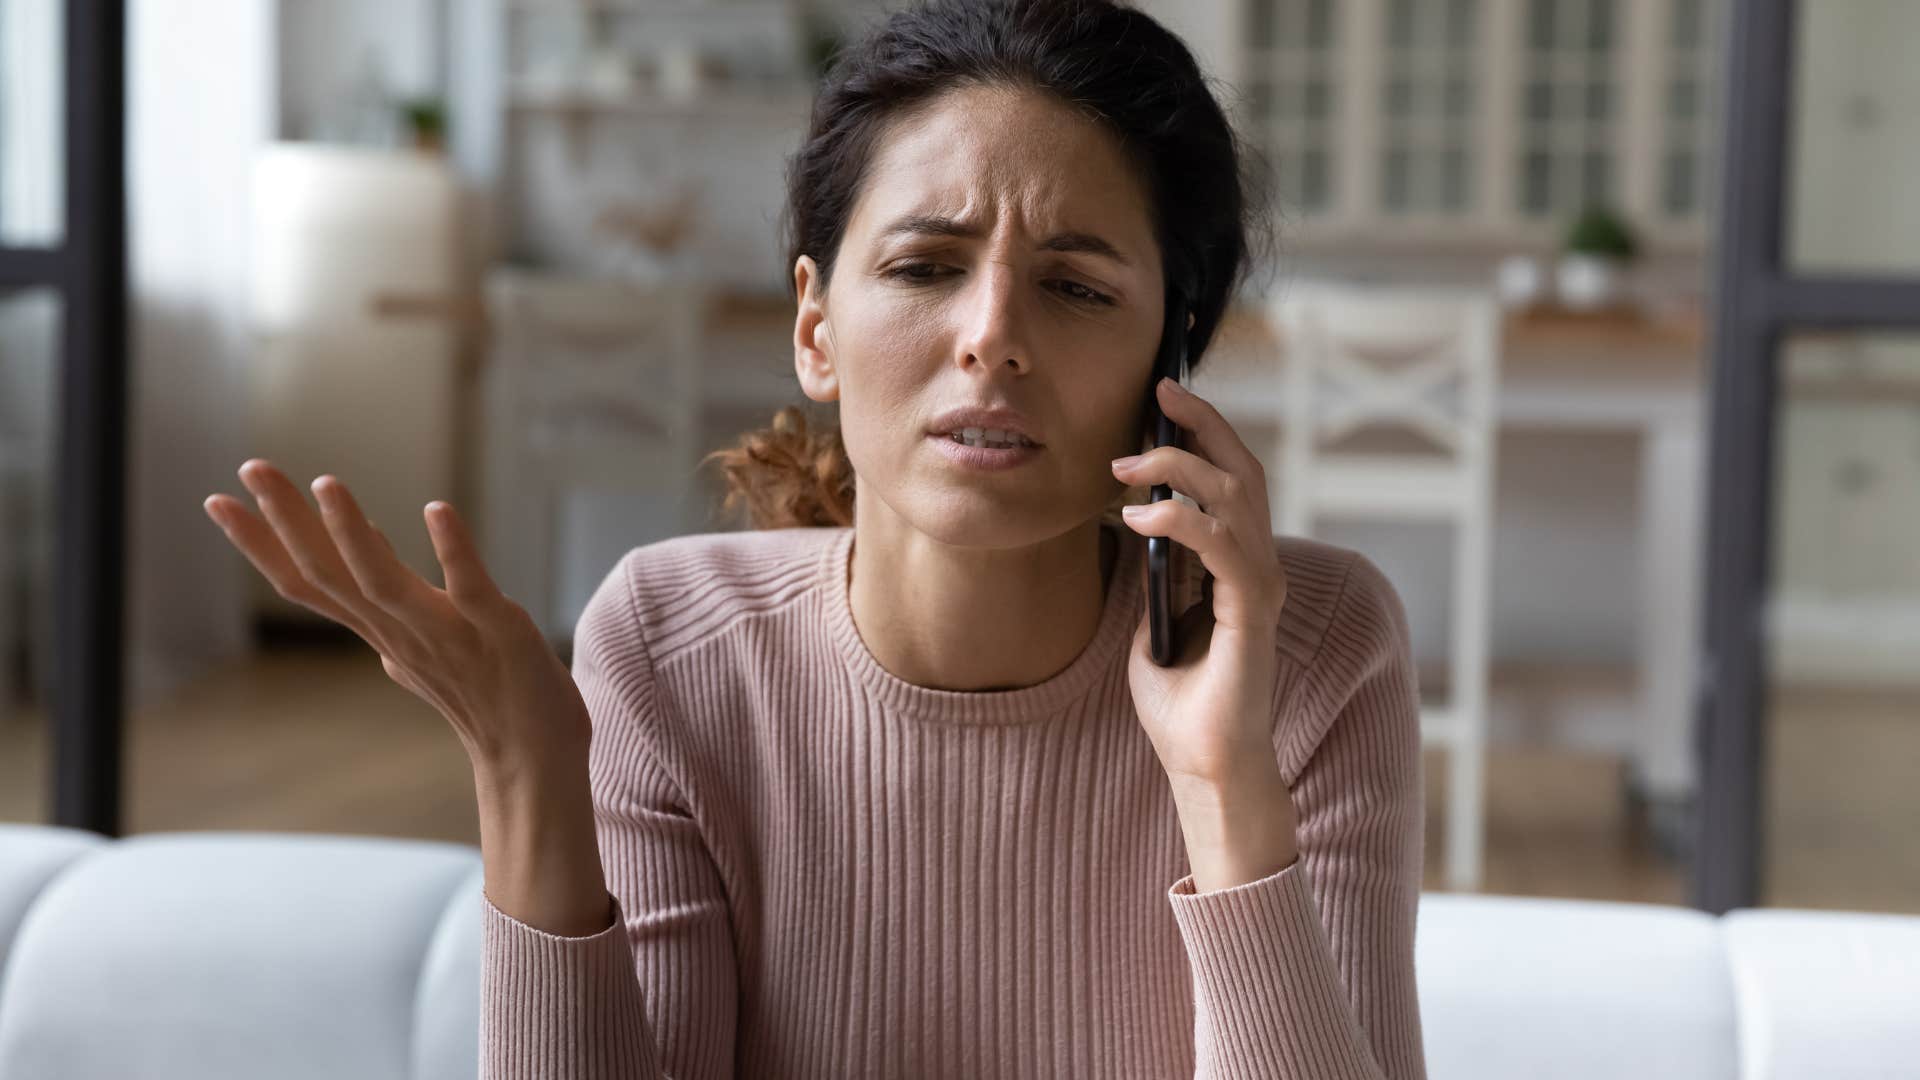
(1683, 99)
(1400, 24)
(1398, 179)
(1536, 183)
(1292, 98)
(32, 108)
(1600, 25)
(1460, 24)
(1596, 173)
(1540, 15)
(1399, 97)
(1687, 26)
(1453, 179)
(1677, 183)
(1320, 24)
(1427, 100)
(1843, 626)
(1540, 101)
(1569, 102)
(1599, 101)
(1260, 100)
(1853, 168)
(1313, 178)
(29, 387)
(1260, 22)
(1318, 103)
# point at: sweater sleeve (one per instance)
(652, 995)
(1309, 972)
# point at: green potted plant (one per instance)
(1600, 246)
(426, 123)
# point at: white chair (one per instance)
(1425, 362)
(592, 384)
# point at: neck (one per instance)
(971, 618)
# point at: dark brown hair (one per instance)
(1113, 63)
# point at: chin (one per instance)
(977, 522)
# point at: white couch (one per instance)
(265, 955)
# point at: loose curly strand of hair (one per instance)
(787, 476)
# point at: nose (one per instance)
(992, 322)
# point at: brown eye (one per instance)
(912, 271)
(1080, 292)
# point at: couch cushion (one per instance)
(446, 1035)
(1524, 987)
(1826, 995)
(229, 955)
(30, 857)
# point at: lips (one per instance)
(1003, 419)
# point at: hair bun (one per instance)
(787, 476)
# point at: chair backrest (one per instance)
(586, 364)
(1358, 359)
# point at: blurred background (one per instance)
(1659, 541)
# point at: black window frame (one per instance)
(1759, 300)
(88, 272)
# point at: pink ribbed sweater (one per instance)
(820, 870)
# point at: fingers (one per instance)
(261, 545)
(376, 569)
(313, 551)
(1214, 437)
(1243, 591)
(468, 583)
(1213, 487)
(1220, 493)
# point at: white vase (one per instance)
(1587, 282)
(1519, 281)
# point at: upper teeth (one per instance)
(992, 437)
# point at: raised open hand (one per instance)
(466, 649)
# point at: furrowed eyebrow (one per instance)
(935, 225)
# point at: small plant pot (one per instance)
(1589, 282)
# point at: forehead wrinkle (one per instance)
(983, 173)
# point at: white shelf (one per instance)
(676, 9)
(794, 101)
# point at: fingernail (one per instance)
(1127, 462)
(1132, 510)
(1174, 385)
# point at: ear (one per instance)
(812, 336)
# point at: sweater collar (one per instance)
(1107, 650)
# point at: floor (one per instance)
(317, 739)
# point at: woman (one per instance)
(905, 795)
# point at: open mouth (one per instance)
(991, 439)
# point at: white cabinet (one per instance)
(1479, 120)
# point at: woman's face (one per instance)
(1000, 255)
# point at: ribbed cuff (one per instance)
(1268, 1001)
(563, 1007)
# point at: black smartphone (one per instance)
(1171, 363)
